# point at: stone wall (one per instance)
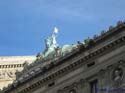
(9, 66)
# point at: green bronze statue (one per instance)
(53, 49)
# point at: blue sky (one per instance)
(24, 24)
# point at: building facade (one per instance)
(95, 66)
(9, 65)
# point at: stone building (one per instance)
(96, 65)
(9, 65)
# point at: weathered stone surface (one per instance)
(9, 66)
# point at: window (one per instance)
(93, 86)
(51, 84)
(90, 64)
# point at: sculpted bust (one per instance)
(117, 74)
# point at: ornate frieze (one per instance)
(7, 75)
(9, 65)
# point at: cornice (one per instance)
(74, 65)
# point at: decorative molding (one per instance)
(74, 87)
(77, 63)
(101, 73)
(74, 65)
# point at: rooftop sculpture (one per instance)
(51, 41)
(53, 49)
